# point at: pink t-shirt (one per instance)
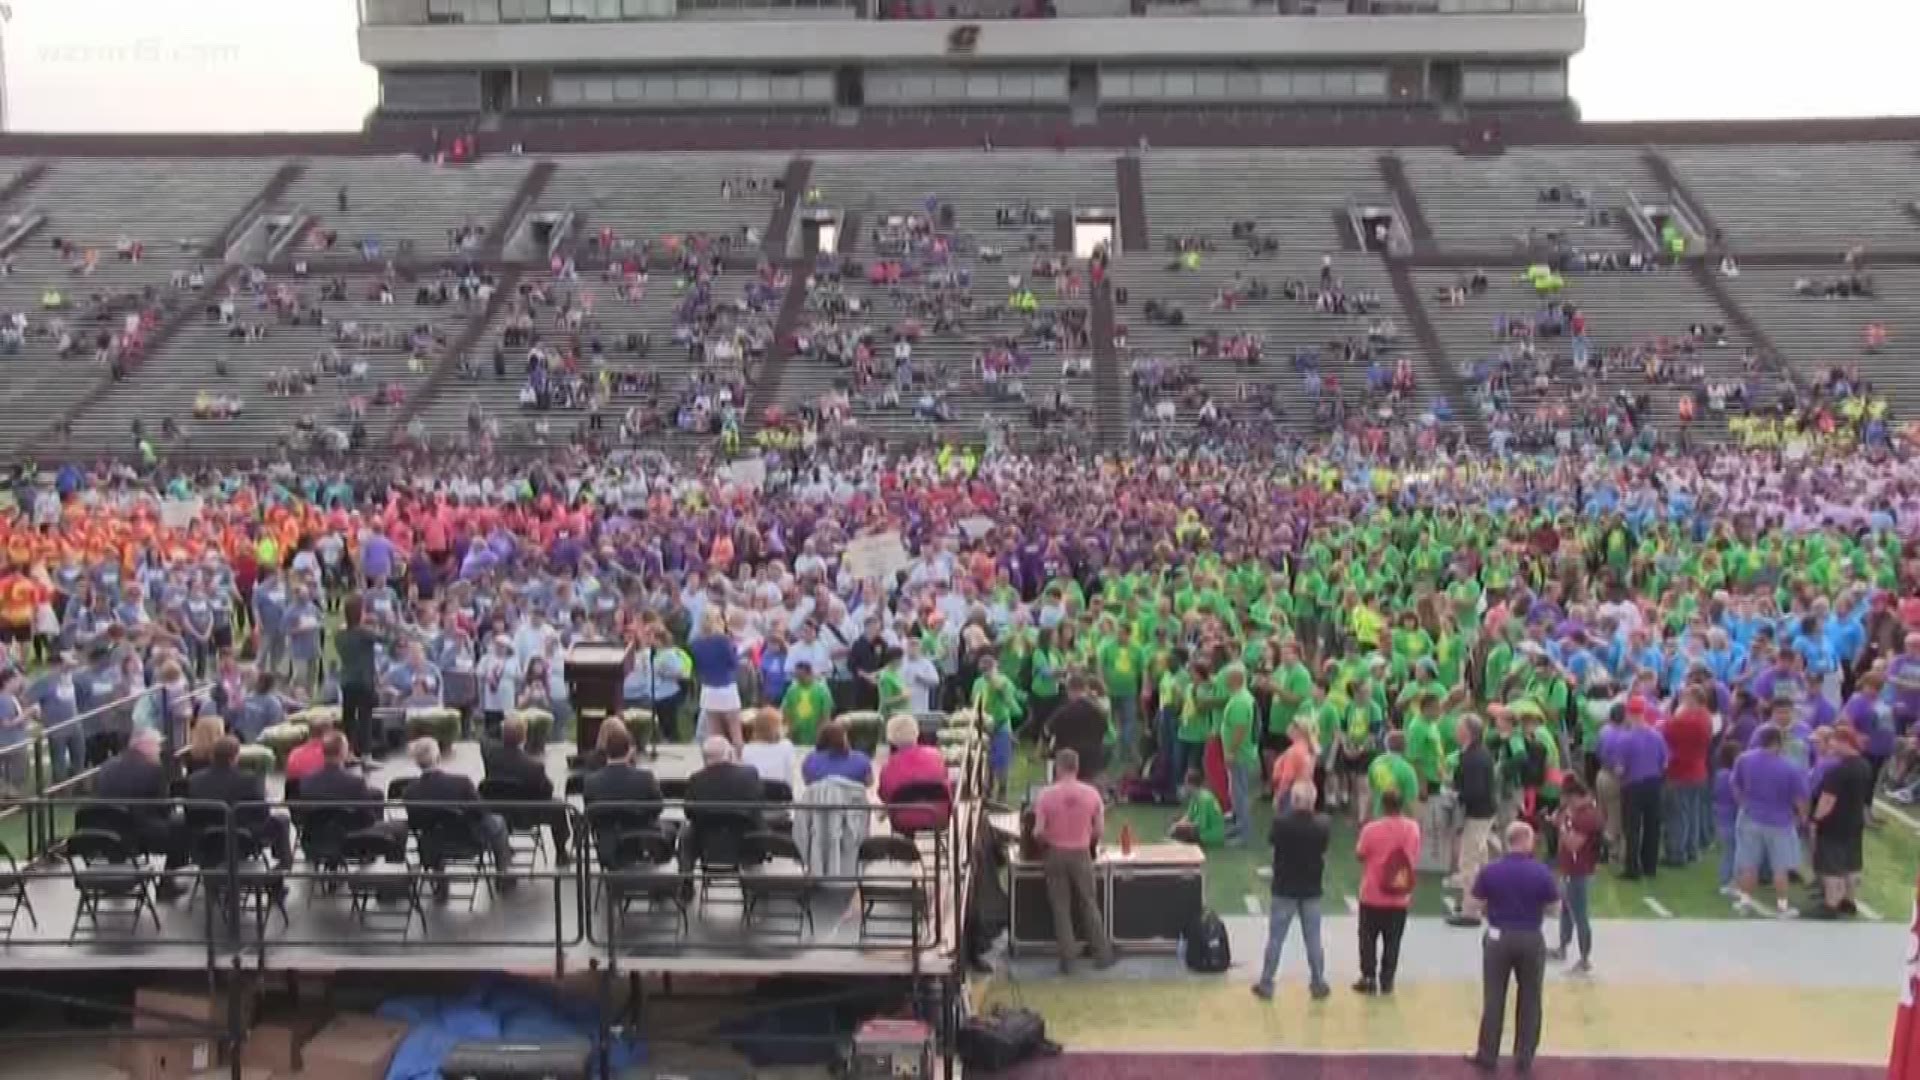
(1377, 839)
(1069, 815)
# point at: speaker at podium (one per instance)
(595, 672)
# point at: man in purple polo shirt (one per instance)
(1640, 759)
(1516, 892)
(1772, 793)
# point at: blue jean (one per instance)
(1726, 842)
(1574, 913)
(1126, 717)
(1279, 920)
(1240, 784)
(1687, 818)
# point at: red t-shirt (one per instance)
(1585, 821)
(1689, 733)
(1377, 839)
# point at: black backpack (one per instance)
(1206, 945)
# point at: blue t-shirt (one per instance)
(715, 661)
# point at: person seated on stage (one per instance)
(597, 758)
(723, 803)
(333, 782)
(833, 755)
(310, 756)
(768, 751)
(508, 759)
(201, 739)
(133, 777)
(435, 788)
(620, 781)
(223, 782)
(910, 764)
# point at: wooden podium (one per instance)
(595, 673)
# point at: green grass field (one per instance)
(1237, 885)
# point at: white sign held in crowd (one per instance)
(877, 558)
(976, 527)
(179, 513)
(749, 473)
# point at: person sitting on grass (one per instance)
(1202, 822)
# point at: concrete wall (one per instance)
(799, 41)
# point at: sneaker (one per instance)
(1263, 991)
(1848, 907)
(1320, 991)
(1785, 911)
(1558, 955)
(1583, 967)
(1366, 986)
(1729, 891)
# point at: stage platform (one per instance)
(553, 920)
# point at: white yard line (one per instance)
(1887, 807)
(1866, 911)
(1659, 908)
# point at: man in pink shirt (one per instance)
(1388, 849)
(1068, 819)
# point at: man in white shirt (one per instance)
(922, 676)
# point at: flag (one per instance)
(1904, 1062)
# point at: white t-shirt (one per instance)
(773, 761)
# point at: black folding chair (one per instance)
(524, 823)
(775, 875)
(13, 894)
(779, 798)
(911, 822)
(449, 837)
(376, 882)
(888, 879)
(111, 818)
(108, 879)
(719, 841)
(642, 868)
(225, 855)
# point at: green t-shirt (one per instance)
(1120, 666)
(1203, 813)
(1424, 749)
(893, 692)
(1196, 720)
(806, 707)
(1293, 678)
(1391, 772)
(1238, 735)
(997, 698)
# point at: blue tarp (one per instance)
(498, 1010)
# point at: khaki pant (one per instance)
(1607, 788)
(1070, 894)
(1474, 837)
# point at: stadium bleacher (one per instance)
(1784, 209)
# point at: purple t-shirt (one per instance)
(1726, 804)
(1770, 788)
(1516, 889)
(853, 765)
(376, 556)
(1642, 755)
(1906, 703)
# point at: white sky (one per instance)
(291, 65)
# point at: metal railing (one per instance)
(220, 849)
(59, 760)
